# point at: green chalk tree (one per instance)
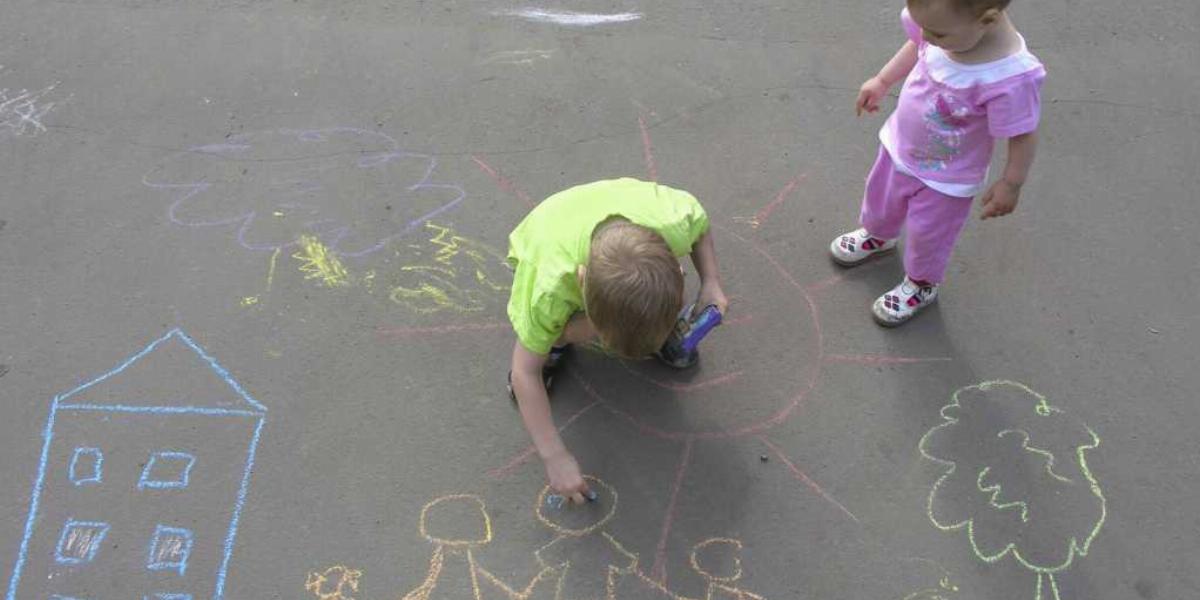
(1016, 479)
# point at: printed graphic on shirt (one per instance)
(946, 123)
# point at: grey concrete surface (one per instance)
(161, 161)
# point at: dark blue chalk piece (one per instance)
(557, 501)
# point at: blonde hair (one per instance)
(633, 288)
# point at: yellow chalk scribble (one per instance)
(319, 262)
(334, 583)
(435, 292)
(445, 272)
(451, 245)
(271, 269)
(457, 274)
(256, 299)
(945, 589)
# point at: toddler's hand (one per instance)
(870, 95)
(1000, 199)
(565, 478)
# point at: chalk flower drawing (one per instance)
(354, 189)
(21, 111)
(1016, 479)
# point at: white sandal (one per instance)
(903, 302)
(856, 247)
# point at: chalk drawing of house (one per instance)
(143, 476)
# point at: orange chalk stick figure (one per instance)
(456, 525)
(588, 560)
(719, 562)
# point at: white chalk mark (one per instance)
(517, 57)
(21, 112)
(570, 18)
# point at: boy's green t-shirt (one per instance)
(547, 248)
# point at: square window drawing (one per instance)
(167, 471)
(169, 549)
(79, 542)
(87, 466)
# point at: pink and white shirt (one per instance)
(950, 114)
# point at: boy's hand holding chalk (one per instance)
(557, 501)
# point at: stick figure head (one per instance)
(718, 560)
(457, 520)
(579, 520)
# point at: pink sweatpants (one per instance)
(933, 220)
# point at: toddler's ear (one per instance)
(581, 274)
(990, 16)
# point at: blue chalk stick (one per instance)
(557, 501)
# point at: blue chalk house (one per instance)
(142, 480)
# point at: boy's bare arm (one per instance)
(1002, 197)
(874, 89)
(561, 468)
(704, 257)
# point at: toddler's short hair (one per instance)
(633, 289)
(975, 7)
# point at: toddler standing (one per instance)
(968, 79)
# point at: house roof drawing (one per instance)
(172, 374)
